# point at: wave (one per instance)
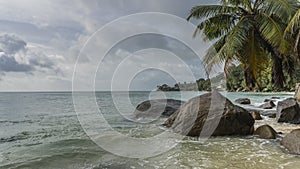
(68, 153)
(15, 121)
(20, 136)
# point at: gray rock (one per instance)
(243, 101)
(292, 142)
(256, 115)
(288, 111)
(211, 114)
(265, 132)
(152, 109)
(268, 105)
(272, 116)
(268, 100)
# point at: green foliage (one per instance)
(235, 78)
(254, 33)
(203, 85)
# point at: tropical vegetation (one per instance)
(261, 36)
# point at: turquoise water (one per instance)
(41, 130)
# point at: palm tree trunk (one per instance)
(249, 78)
(277, 74)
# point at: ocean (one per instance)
(42, 130)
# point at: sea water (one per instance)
(42, 130)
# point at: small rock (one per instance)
(288, 111)
(246, 90)
(272, 116)
(275, 98)
(268, 105)
(292, 142)
(256, 115)
(268, 100)
(239, 89)
(265, 132)
(243, 101)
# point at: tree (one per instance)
(248, 31)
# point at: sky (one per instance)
(42, 42)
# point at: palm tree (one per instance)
(248, 31)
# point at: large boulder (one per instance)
(152, 109)
(288, 111)
(268, 105)
(265, 132)
(243, 101)
(292, 142)
(211, 114)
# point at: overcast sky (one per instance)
(40, 41)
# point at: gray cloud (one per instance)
(10, 44)
(15, 56)
(9, 64)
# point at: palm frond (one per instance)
(271, 30)
(216, 26)
(216, 54)
(238, 37)
(227, 48)
(241, 3)
(205, 11)
(294, 23)
(282, 8)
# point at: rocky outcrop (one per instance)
(256, 115)
(288, 111)
(265, 132)
(152, 109)
(292, 142)
(267, 105)
(211, 114)
(243, 101)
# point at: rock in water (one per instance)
(268, 105)
(292, 142)
(152, 109)
(297, 92)
(211, 114)
(243, 101)
(256, 115)
(265, 132)
(288, 111)
(272, 116)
